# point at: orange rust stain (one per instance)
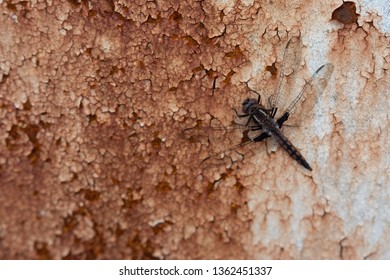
(156, 143)
(239, 187)
(229, 77)
(140, 249)
(221, 15)
(78, 2)
(272, 69)
(153, 20)
(236, 53)
(176, 16)
(91, 195)
(346, 13)
(160, 228)
(128, 152)
(163, 187)
(234, 208)
(198, 69)
(42, 250)
(11, 6)
(190, 41)
(27, 105)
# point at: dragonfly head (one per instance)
(248, 105)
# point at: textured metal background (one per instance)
(94, 97)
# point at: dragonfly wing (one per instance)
(291, 62)
(224, 143)
(312, 89)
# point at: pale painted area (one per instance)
(371, 9)
(358, 190)
(226, 5)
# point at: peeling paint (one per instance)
(377, 11)
(96, 161)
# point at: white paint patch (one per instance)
(256, 230)
(247, 3)
(15, 18)
(273, 231)
(358, 200)
(297, 215)
(322, 116)
(370, 9)
(106, 45)
(226, 5)
(154, 223)
(322, 155)
(315, 40)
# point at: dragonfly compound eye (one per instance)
(246, 104)
(246, 101)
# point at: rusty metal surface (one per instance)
(94, 97)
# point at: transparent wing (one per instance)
(224, 143)
(227, 154)
(291, 62)
(311, 90)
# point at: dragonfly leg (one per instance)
(240, 115)
(258, 95)
(290, 125)
(243, 116)
(249, 119)
(261, 137)
(269, 101)
(257, 127)
(282, 119)
(274, 110)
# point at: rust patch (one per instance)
(272, 69)
(163, 187)
(91, 195)
(346, 13)
(93, 159)
(42, 250)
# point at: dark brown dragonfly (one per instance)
(263, 122)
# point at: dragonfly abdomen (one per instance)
(290, 148)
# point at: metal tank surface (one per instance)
(109, 109)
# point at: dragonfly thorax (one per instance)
(249, 105)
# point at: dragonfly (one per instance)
(266, 121)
